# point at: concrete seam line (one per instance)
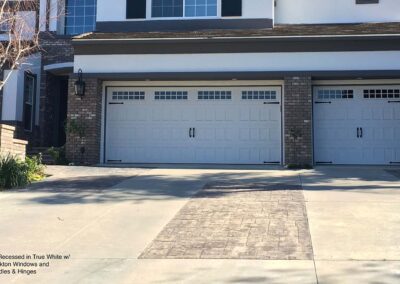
(309, 230)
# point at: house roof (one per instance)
(310, 30)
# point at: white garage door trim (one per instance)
(261, 104)
(356, 124)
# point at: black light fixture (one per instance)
(80, 85)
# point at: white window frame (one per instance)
(149, 8)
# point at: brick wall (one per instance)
(298, 120)
(1, 97)
(1, 103)
(32, 136)
(10, 145)
(86, 112)
(55, 49)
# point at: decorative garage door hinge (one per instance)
(120, 103)
(392, 102)
(114, 161)
(271, 103)
(321, 163)
(395, 163)
(271, 162)
(323, 102)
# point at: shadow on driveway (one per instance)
(103, 189)
(131, 188)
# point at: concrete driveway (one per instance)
(140, 225)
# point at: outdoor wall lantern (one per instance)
(80, 85)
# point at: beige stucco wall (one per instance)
(9, 145)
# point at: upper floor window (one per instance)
(137, 9)
(184, 8)
(80, 16)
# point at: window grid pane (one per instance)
(29, 99)
(167, 8)
(214, 95)
(29, 90)
(80, 16)
(259, 95)
(335, 94)
(171, 95)
(128, 96)
(184, 8)
(382, 94)
(200, 8)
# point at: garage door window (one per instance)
(171, 95)
(381, 93)
(335, 94)
(214, 95)
(259, 95)
(128, 96)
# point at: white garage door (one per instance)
(357, 125)
(233, 125)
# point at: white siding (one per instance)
(13, 91)
(56, 15)
(106, 10)
(42, 15)
(252, 9)
(287, 11)
(335, 11)
(25, 23)
(11, 95)
(56, 10)
(295, 61)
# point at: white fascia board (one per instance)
(239, 62)
(78, 39)
(57, 66)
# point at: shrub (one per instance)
(13, 172)
(35, 168)
(17, 173)
(76, 128)
(58, 155)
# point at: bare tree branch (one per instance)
(19, 33)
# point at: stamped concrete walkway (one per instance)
(106, 218)
(234, 220)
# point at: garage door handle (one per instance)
(194, 132)
(358, 132)
(361, 132)
(190, 132)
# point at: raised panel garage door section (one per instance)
(357, 125)
(222, 125)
